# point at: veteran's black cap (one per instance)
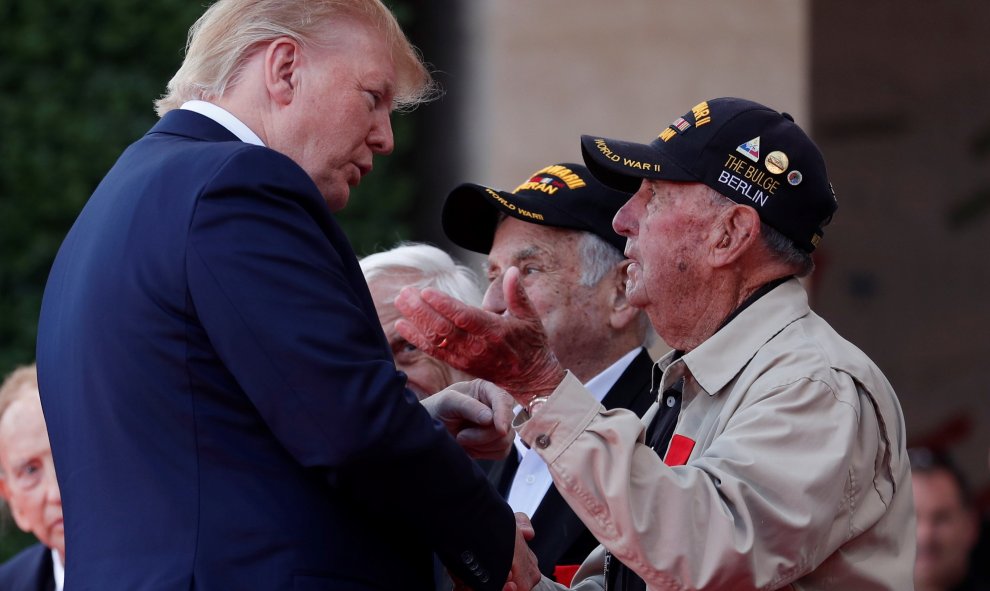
(561, 195)
(744, 150)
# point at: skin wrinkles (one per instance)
(574, 316)
(667, 269)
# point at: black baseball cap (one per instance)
(562, 195)
(746, 151)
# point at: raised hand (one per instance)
(478, 415)
(508, 349)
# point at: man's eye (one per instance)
(403, 348)
(531, 269)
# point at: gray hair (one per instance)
(598, 257)
(781, 248)
(224, 37)
(432, 267)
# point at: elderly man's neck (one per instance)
(717, 302)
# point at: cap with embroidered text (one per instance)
(746, 151)
(562, 195)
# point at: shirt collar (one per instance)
(224, 118)
(603, 382)
(58, 570)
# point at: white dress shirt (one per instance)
(532, 479)
(225, 118)
(58, 571)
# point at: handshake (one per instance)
(479, 415)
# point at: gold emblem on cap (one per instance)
(776, 162)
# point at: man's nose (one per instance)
(380, 138)
(52, 492)
(494, 300)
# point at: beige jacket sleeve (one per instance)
(588, 578)
(754, 509)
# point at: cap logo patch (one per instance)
(751, 149)
(777, 162)
(702, 114)
(680, 125)
(748, 181)
(550, 179)
(794, 178)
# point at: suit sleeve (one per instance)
(280, 295)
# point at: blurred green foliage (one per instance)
(77, 81)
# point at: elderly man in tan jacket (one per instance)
(786, 468)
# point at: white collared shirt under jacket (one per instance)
(797, 479)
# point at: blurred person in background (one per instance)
(28, 485)
(948, 525)
(419, 265)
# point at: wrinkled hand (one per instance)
(509, 349)
(478, 415)
(525, 572)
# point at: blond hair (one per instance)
(16, 382)
(221, 40)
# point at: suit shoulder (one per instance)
(24, 569)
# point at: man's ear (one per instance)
(622, 312)
(734, 232)
(282, 61)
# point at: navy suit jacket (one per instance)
(29, 570)
(561, 538)
(222, 404)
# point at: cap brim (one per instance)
(470, 215)
(623, 165)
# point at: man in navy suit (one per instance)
(223, 406)
(557, 228)
(28, 485)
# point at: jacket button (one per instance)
(543, 441)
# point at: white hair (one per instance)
(431, 266)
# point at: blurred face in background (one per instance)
(947, 531)
(426, 376)
(28, 482)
